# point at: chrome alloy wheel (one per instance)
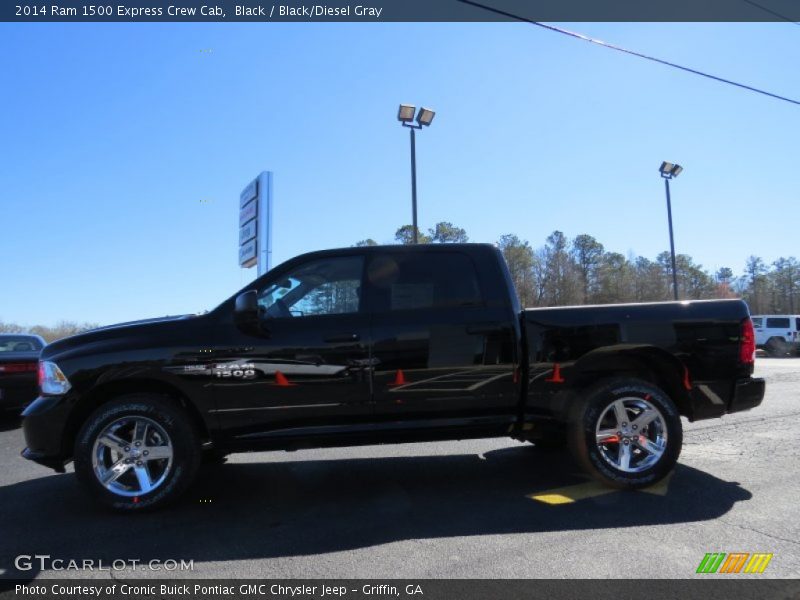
(631, 434)
(132, 456)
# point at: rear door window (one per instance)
(423, 281)
(757, 322)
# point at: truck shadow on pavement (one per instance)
(305, 507)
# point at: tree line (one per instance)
(565, 271)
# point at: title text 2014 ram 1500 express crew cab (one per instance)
(386, 344)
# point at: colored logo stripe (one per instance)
(711, 562)
(758, 562)
(734, 563)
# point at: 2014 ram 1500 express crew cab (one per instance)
(380, 345)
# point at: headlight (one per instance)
(52, 381)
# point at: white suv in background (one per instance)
(779, 335)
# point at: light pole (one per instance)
(406, 117)
(668, 171)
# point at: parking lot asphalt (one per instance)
(435, 510)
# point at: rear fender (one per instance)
(641, 361)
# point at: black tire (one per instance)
(597, 458)
(161, 418)
(550, 440)
(777, 347)
(214, 457)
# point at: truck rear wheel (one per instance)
(137, 452)
(627, 433)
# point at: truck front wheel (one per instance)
(137, 452)
(627, 433)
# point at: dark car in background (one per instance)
(19, 364)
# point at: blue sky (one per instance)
(125, 147)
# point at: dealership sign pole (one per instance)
(255, 224)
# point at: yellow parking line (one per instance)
(571, 493)
(591, 489)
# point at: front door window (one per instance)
(321, 287)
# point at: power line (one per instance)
(772, 12)
(580, 36)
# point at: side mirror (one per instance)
(245, 312)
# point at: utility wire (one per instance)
(580, 36)
(772, 12)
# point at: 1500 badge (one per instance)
(238, 371)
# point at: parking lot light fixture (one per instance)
(425, 116)
(405, 115)
(669, 170)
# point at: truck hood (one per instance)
(133, 323)
(88, 341)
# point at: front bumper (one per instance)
(44, 423)
(747, 394)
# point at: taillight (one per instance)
(18, 367)
(747, 343)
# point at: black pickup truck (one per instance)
(379, 345)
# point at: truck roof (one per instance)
(406, 248)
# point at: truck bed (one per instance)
(698, 341)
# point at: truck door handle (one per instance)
(343, 337)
